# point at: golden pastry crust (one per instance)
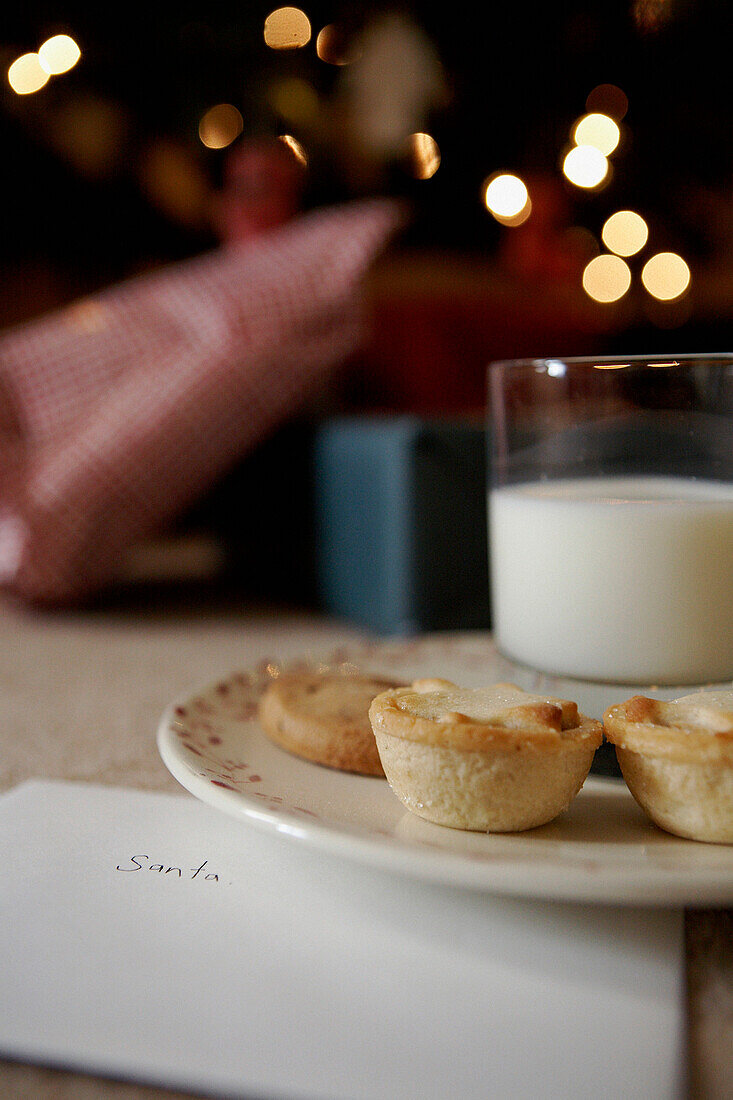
(434, 712)
(688, 731)
(494, 760)
(324, 717)
(677, 760)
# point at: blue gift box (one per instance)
(400, 520)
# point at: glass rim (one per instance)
(544, 364)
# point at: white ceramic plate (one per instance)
(602, 849)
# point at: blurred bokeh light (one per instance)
(58, 54)
(295, 100)
(295, 148)
(332, 45)
(585, 166)
(220, 126)
(287, 29)
(424, 156)
(596, 114)
(666, 276)
(599, 131)
(26, 74)
(608, 99)
(505, 195)
(625, 233)
(606, 278)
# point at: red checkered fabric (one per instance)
(128, 405)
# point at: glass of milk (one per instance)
(611, 517)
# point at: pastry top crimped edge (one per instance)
(685, 731)
(541, 724)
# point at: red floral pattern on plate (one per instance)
(214, 728)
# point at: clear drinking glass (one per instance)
(611, 517)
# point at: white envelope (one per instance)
(146, 936)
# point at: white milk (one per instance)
(624, 579)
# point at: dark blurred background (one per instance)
(181, 128)
(107, 174)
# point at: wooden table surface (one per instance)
(80, 696)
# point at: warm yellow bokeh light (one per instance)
(58, 54)
(295, 100)
(625, 233)
(424, 155)
(606, 278)
(597, 130)
(287, 29)
(295, 148)
(585, 166)
(172, 178)
(220, 126)
(505, 195)
(26, 75)
(666, 276)
(515, 219)
(331, 45)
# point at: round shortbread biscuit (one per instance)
(489, 759)
(324, 717)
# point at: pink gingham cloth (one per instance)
(122, 409)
